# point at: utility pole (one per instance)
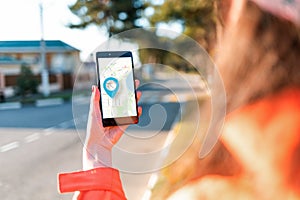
(44, 70)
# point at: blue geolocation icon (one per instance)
(111, 86)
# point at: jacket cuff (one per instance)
(94, 179)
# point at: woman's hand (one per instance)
(100, 140)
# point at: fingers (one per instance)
(92, 98)
(137, 83)
(96, 93)
(140, 110)
(138, 95)
(94, 104)
(95, 97)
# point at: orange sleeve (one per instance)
(94, 184)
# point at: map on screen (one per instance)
(117, 87)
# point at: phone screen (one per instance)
(116, 81)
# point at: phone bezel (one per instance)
(119, 120)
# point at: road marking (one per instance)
(33, 137)
(147, 195)
(63, 125)
(49, 131)
(8, 106)
(66, 124)
(151, 183)
(9, 146)
(49, 102)
(152, 180)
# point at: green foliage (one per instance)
(26, 82)
(165, 58)
(115, 15)
(197, 17)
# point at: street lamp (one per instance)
(44, 70)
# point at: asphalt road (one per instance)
(37, 143)
(37, 117)
(30, 160)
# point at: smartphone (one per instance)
(118, 100)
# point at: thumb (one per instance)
(94, 102)
(96, 93)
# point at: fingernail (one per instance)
(93, 88)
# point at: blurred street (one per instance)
(36, 143)
(31, 158)
(220, 88)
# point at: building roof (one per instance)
(34, 46)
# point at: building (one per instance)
(61, 61)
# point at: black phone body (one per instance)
(118, 100)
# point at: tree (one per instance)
(115, 15)
(197, 17)
(26, 82)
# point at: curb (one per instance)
(49, 102)
(38, 103)
(10, 106)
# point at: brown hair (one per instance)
(258, 55)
